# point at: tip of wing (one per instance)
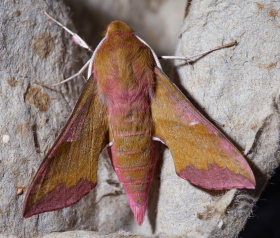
(27, 214)
(62, 196)
(251, 184)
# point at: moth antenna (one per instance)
(76, 38)
(73, 76)
(194, 58)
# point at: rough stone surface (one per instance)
(91, 234)
(237, 88)
(34, 52)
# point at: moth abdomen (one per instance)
(134, 165)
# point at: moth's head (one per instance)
(118, 27)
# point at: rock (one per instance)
(238, 88)
(34, 52)
(91, 234)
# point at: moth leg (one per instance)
(194, 58)
(88, 65)
(75, 75)
(76, 38)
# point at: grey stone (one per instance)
(91, 234)
(238, 88)
(34, 52)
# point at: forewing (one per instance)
(69, 170)
(201, 153)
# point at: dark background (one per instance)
(265, 220)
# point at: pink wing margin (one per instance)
(201, 153)
(69, 171)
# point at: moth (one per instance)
(128, 104)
